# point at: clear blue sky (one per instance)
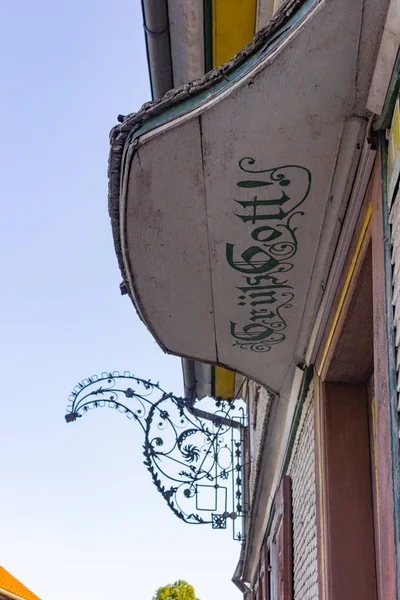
(79, 517)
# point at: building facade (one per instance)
(256, 217)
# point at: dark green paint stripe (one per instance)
(392, 378)
(208, 36)
(305, 386)
(385, 119)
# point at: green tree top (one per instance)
(180, 590)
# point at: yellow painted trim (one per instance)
(321, 487)
(224, 383)
(346, 286)
(233, 27)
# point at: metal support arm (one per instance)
(195, 456)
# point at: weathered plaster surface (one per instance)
(302, 471)
(264, 402)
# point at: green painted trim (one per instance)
(305, 386)
(392, 379)
(308, 374)
(212, 381)
(208, 36)
(385, 119)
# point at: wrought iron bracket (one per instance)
(195, 456)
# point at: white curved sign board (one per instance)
(229, 201)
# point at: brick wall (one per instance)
(302, 471)
(262, 403)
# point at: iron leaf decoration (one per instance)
(195, 457)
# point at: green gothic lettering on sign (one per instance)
(255, 291)
(265, 290)
(261, 316)
(275, 210)
(247, 264)
(264, 297)
(253, 332)
(270, 277)
(253, 184)
(270, 234)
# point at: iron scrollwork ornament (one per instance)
(195, 456)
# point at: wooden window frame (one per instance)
(384, 507)
(280, 545)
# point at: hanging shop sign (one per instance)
(227, 196)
